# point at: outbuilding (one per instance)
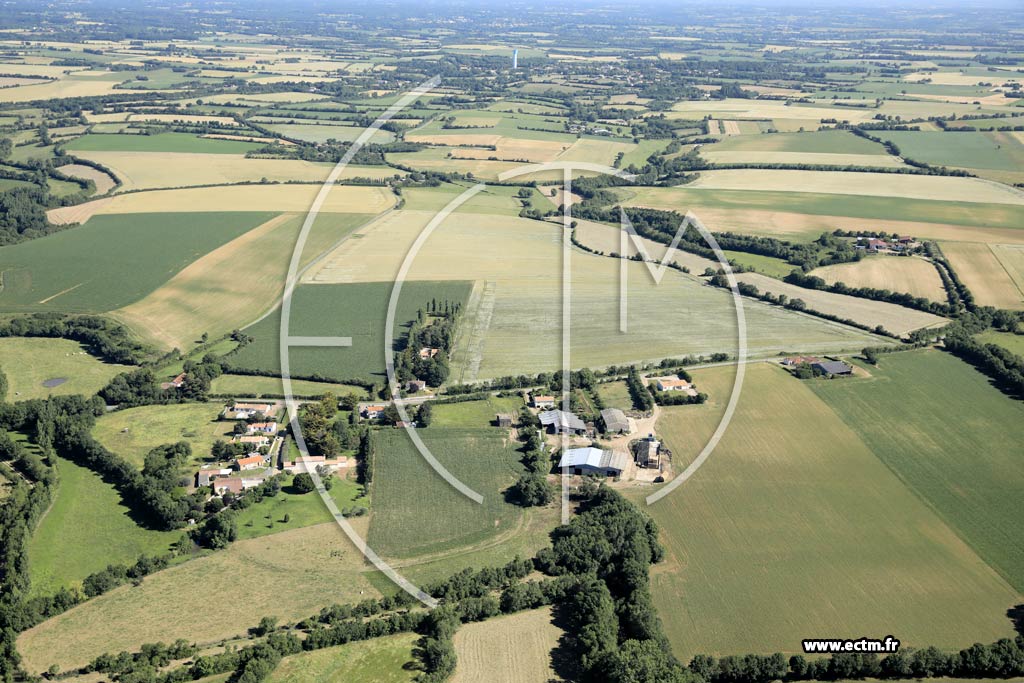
(593, 461)
(615, 421)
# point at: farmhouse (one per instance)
(174, 383)
(235, 484)
(311, 462)
(254, 440)
(615, 421)
(503, 419)
(415, 385)
(249, 462)
(269, 428)
(373, 411)
(675, 384)
(593, 461)
(833, 367)
(244, 411)
(542, 402)
(561, 422)
(207, 474)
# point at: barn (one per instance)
(593, 461)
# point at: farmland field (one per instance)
(1008, 340)
(29, 362)
(82, 269)
(382, 660)
(987, 276)
(509, 649)
(994, 150)
(248, 385)
(474, 413)
(437, 518)
(165, 142)
(133, 432)
(913, 275)
(86, 528)
(781, 514)
(204, 297)
(303, 565)
(352, 310)
(960, 458)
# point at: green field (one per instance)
(815, 142)
(474, 413)
(163, 142)
(953, 439)
(86, 528)
(86, 269)
(768, 265)
(249, 385)
(1011, 342)
(968, 149)
(794, 526)
(352, 310)
(133, 432)
(416, 512)
(382, 660)
(302, 509)
(615, 395)
(29, 362)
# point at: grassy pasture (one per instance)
(993, 275)
(775, 267)
(162, 142)
(816, 142)
(474, 413)
(382, 660)
(913, 275)
(353, 310)
(615, 395)
(303, 509)
(944, 188)
(1011, 342)
(308, 568)
(994, 150)
(205, 296)
(508, 649)
(133, 432)
(272, 386)
(956, 446)
(28, 362)
(417, 513)
(752, 157)
(83, 269)
(86, 528)
(312, 132)
(794, 526)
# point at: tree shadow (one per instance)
(565, 658)
(1016, 615)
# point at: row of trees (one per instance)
(532, 488)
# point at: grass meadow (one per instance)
(417, 513)
(85, 269)
(28, 362)
(289, 575)
(952, 439)
(795, 526)
(86, 528)
(133, 432)
(354, 310)
(474, 413)
(999, 151)
(249, 385)
(382, 660)
(1009, 341)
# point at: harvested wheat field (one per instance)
(823, 159)
(898, 274)
(283, 198)
(104, 183)
(984, 273)
(509, 649)
(292, 574)
(945, 188)
(146, 170)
